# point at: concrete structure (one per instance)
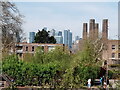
(68, 38)
(31, 37)
(24, 48)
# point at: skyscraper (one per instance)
(52, 32)
(59, 39)
(68, 38)
(59, 33)
(58, 36)
(31, 37)
(45, 28)
(77, 38)
(65, 37)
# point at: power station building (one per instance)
(112, 51)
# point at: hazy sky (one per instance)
(68, 15)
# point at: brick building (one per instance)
(24, 48)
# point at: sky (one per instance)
(68, 15)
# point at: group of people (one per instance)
(103, 82)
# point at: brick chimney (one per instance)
(85, 31)
(105, 29)
(96, 31)
(91, 28)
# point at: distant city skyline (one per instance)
(68, 15)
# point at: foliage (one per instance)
(114, 74)
(82, 67)
(27, 73)
(43, 37)
(56, 55)
(56, 68)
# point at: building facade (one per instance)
(24, 48)
(114, 51)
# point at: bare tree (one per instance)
(96, 47)
(11, 21)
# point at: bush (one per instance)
(27, 73)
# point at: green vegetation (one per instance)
(56, 68)
(43, 37)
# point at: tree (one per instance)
(85, 65)
(11, 21)
(43, 37)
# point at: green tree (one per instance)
(82, 67)
(43, 37)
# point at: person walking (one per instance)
(101, 79)
(89, 83)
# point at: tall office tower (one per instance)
(56, 33)
(91, 28)
(77, 38)
(96, 32)
(59, 39)
(52, 32)
(59, 33)
(65, 37)
(105, 29)
(85, 30)
(31, 37)
(45, 28)
(68, 38)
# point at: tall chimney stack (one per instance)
(85, 31)
(96, 31)
(91, 28)
(105, 29)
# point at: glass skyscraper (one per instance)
(59, 33)
(59, 39)
(58, 36)
(31, 37)
(52, 32)
(77, 38)
(68, 38)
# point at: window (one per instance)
(26, 48)
(113, 55)
(32, 48)
(42, 47)
(113, 46)
(118, 46)
(118, 55)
